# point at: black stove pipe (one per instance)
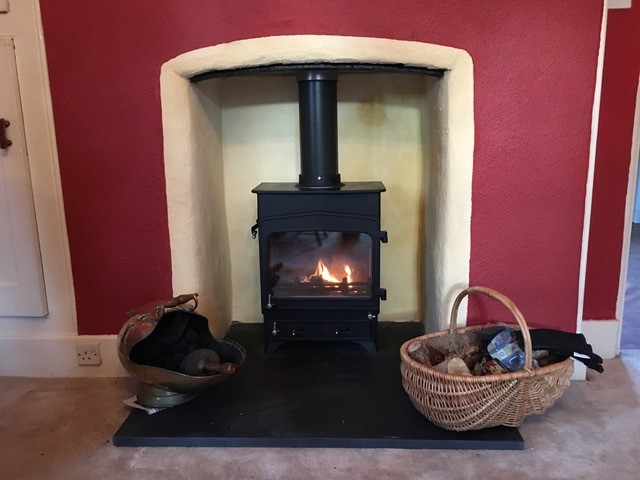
(318, 106)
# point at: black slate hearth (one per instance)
(308, 395)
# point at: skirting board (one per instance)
(579, 371)
(56, 357)
(604, 336)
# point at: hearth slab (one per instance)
(324, 394)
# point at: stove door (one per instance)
(320, 264)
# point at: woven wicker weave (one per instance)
(463, 402)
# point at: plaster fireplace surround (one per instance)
(414, 133)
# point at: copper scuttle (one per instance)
(169, 348)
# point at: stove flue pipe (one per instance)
(318, 106)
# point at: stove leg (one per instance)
(271, 346)
(369, 345)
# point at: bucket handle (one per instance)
(156, 310)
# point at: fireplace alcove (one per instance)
(329, 395)
(208, 193)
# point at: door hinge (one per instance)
(4, 141)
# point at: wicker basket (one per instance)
(463, 402)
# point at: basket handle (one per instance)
(507, 303)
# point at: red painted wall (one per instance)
(535, 67)
(613, 156)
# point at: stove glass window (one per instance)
(320, 264)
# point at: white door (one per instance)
(22, 291)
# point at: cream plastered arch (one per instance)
(193, 143)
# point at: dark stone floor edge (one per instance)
(260, 442)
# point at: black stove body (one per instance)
(319, 238)
(320, 263)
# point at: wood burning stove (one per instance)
(320, 238)
(320, 262)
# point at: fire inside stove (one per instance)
(320, 264)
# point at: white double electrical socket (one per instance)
(88, 353)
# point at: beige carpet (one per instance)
(62, 429)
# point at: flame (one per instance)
(323, 271)
(347, 270)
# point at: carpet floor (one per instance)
(62, 429)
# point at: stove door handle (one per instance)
(254, 230)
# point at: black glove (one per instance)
(565, 345)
